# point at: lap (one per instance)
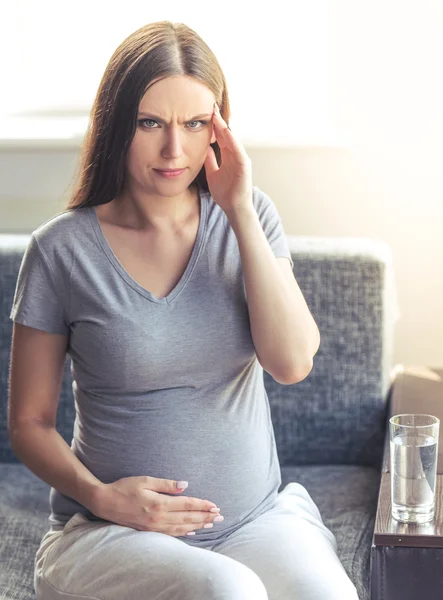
(102, 561)
(286, 553)
(292, 551)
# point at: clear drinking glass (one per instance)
(414, 454)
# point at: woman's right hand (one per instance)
(141, 503)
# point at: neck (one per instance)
(160, 215)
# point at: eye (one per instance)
(202, 122)
(142, 121)
(145, 121)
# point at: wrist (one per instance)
(96, 498)
(242, 214)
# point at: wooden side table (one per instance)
(407, 559)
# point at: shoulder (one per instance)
(262, 201)
(258, 196)
(60, 226)
(264, 206)
(56, 238)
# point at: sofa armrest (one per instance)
(406, 559)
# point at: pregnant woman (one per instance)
(168, 281)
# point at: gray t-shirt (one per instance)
(167, 387)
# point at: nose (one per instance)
(172, 146)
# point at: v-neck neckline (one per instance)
(187, 272)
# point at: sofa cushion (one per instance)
(346, 496)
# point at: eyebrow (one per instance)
(143, 114)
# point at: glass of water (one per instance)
(414, 454)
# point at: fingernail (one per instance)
(191, 533)
(214, 510)
(217, 110)
(182, 484)
(219, 519)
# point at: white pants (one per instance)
(286, 553)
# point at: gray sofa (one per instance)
(329, 428)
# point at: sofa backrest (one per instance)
(337, 415)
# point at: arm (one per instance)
(284, 332)
(44, 452)
(37, 364)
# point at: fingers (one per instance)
(178, 523)
(181, 515)
(180, 503)
(221, 130)
(218, 119)
(190, 518)
(225, 138)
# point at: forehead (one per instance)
(180, 96)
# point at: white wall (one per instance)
(386, 95)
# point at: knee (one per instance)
(347, 591)
(342, 589)
(351, 593)
(235, 582)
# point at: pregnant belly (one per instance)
(231, 463)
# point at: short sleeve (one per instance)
(36, 302)
(271, 224)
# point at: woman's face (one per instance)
(169, 136)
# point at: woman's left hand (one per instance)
(230, 184)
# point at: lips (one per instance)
(170, 174)
(169, 170)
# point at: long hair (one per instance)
(150, 54)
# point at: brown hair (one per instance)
(153, 52)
